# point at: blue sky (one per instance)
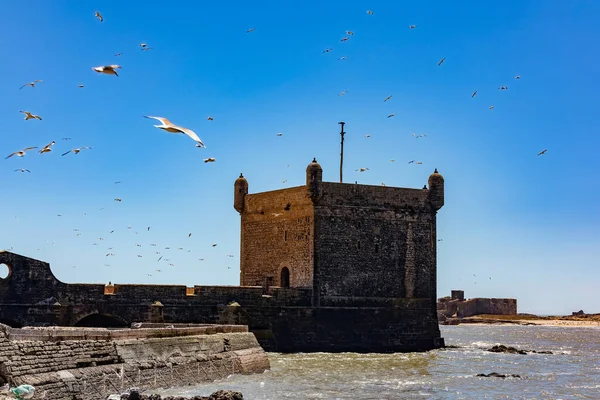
(514, 225)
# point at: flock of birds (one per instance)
(170, 127)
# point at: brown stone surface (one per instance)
(113, 361)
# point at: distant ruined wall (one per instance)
(90, 364)
(478, 306)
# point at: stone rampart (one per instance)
(91, 363)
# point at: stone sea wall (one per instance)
(91, 363)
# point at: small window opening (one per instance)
(189, 291)
(285, 236)
(288, 206)
(376, 248)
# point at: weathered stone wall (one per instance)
(466, 308)
(277, 233)
(362, 241)
(75, 363)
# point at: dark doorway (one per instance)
(285, 277)
(102, 321)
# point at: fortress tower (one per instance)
(344, 241)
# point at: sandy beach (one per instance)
(589, 320)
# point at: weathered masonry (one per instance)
(324, 267)
(65, 363)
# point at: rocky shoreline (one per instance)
(134, 394)
(575, 320)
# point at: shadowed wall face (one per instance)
(362, 241)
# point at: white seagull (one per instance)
(29, 115)
(32, 84)
(21, 153)
(170, 127)
(97, 15)
(207, 160)
(47, 148)
(107, 69)
(76, 151)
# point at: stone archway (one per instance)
(102, 321)
(284, 280)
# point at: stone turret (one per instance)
(240, 191)
(436, 190)
(314, 177)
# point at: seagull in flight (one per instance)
(412, 26)
(210, 119)
(369, 12)
(518, 77)
(349, 33)
(474, 94)
(387, 98)
(250, 30)
(441, 61)
(21, 153)
(29, 115)
(47, 148)
(327, 50)
(362, 169)
(170, 127)
(344, 39)
(391, 115)
(22, 170)
(343, 93)
(503, 88)
(210, 159)
(76, 151)
(118, 54)
(32, 84)
(97, 15)
(542, 152)
(107, 69)
(491, 107)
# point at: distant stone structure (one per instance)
(324, 267)
(456, 306)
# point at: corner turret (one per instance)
(436, 190)
(240, 191)
(314, 177)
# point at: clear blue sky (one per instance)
(528, 222)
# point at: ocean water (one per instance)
(572, 372)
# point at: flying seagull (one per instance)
(210, 119)
(107, 69)
(342, 58)
(344, 39)
(503, 88)
(76, 151)
(32, 84)
(47, 148)
(349, 33)
(210, 159)
(387, 98)
(22, 170)
(280, 134)
(80, 86)
(29, 115)
(118, 54)
(327, 50)
(21, 153)
(391, 115)
(542, 152)
(250, 30)
(474, 93)
(441, 61)
(362, 169)
(369, 12)
(170, 127)
(491, 107)
(412, 26)
(518, 77)
(97, 15)
(343, 93)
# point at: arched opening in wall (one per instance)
(4, 271)
(285, 277)
(102, 321)
(11, 323)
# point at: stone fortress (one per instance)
(455, 306)
(324, 267)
